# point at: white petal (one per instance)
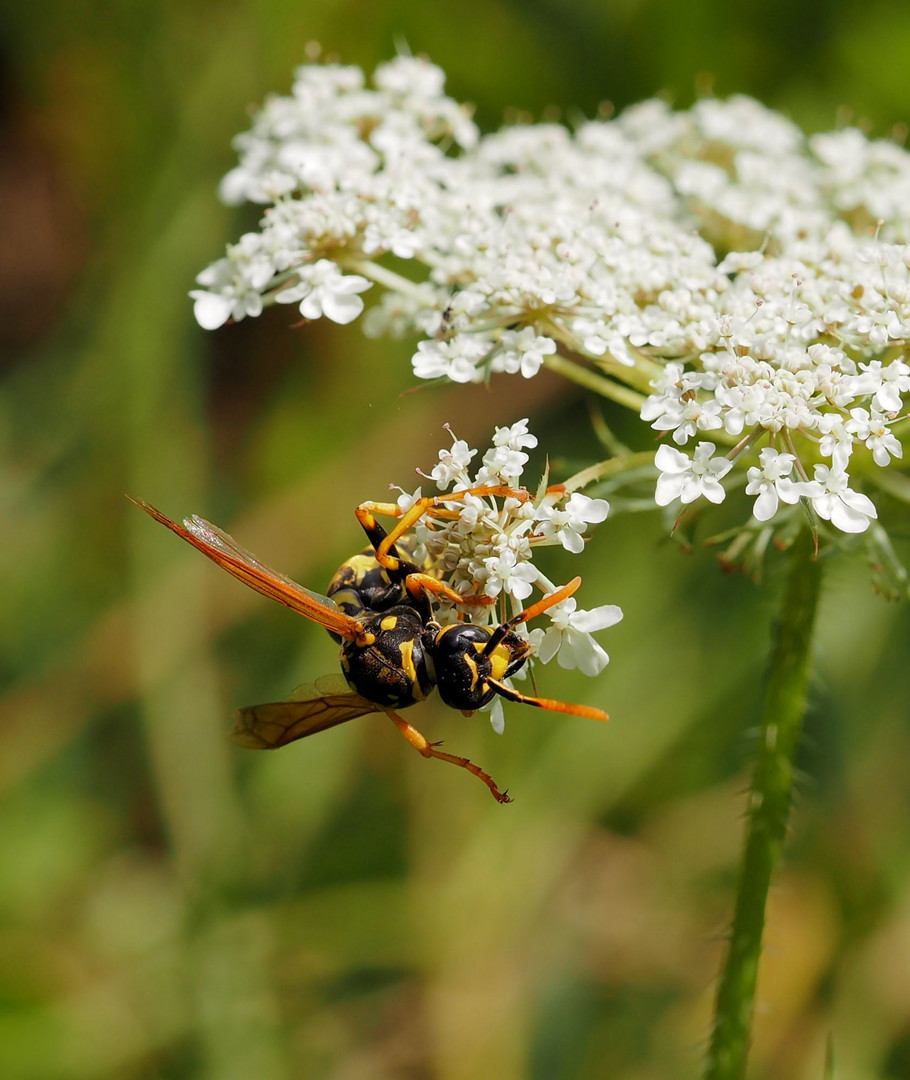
(668, 487)
(585, 654)
(860, 503)
(211, 310)
(789, 491)
(549, 644)
(341, 308)
(766, 504)
(598, 618)
(497, 716)
(671, 461)
(847, 520)
(571, 540)
(712, 491)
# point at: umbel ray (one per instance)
(393, 651)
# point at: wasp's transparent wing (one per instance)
(229, 555)
(310, 708)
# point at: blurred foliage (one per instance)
(173, 907)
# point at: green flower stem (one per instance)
(769, 806)
(382, 275)
(602, 469)
(592, 381)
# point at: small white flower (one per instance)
(688, 478)
(523, 351)
(504, 462)
(324, 290)
(771, 482)
(686, 417)
(886, 382)
(459, 359)
(516, 436)
(871, 429)
(407, 499)
(568, 523)
(568, 638)
(233, 285)
(832, 498)
(452, 463)
(504, 573)
(836, 441)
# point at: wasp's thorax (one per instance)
(467, 657)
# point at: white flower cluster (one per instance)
(808, 352)
(752, 281)
(482, 543)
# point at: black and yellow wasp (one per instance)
(393, 652)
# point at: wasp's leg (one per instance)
(428, 749)
(419, 585)
(429, 504)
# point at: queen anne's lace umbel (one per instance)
(753, 282)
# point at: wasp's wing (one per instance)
(229, 555)
(324, 704)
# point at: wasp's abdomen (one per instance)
(389, 666)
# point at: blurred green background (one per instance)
(173, 907)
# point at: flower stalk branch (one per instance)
(770, 798)
(591, 380)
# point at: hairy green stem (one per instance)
(601, 469)
(769, 806)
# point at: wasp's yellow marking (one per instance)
(361, 564)
(472, 664)
(406, 648)
(389, 622)
(348, 596)
(500, 658)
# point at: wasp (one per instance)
(393, 653)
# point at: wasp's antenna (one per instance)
(532, 612)
(547, 703)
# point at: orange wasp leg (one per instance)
(428, 504)
(428, 750)
(426, 583)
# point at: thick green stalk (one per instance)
(769, 806)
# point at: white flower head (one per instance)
(714, 255)
(324, 290)
(569, 639)
(523, 351)
(872, 430)
(453, 464)
(832, 499)
(485, 544)
(504, 573)
(688, 478)
(516, 436)
(771, 482)
(568, 524)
